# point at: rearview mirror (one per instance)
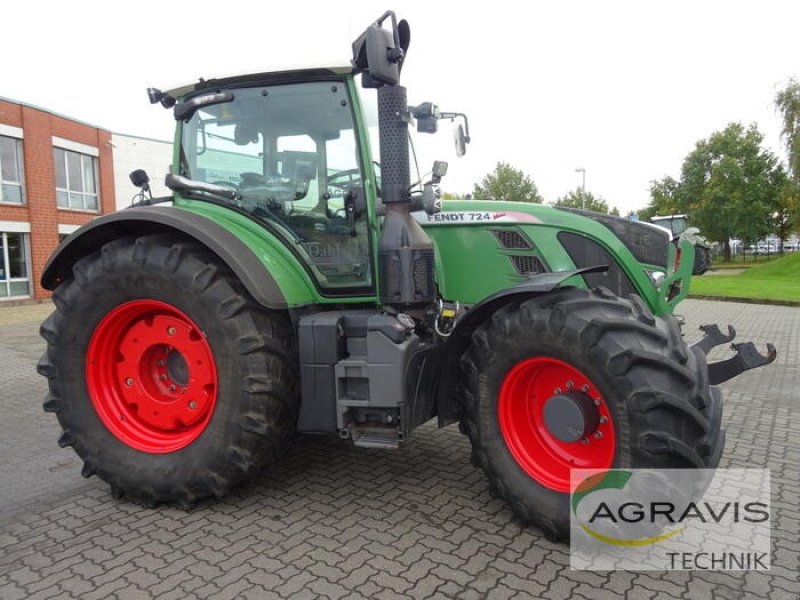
(461, 140)
(140, 179)
(379, 53)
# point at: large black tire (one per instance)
(255, 390)
(664, 414)
(702, 259)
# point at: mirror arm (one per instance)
(454, 115)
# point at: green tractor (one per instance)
(679, 225)
(294, 284)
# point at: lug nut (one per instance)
(160, 363)
(172, 388)
(183, 390)
(570, 384)
(585, 387)
(598, 435)
(585, 441)
(603, 420)
(597, 401)
(192, 404)
(171, 331)
(556, 391)
(162, 377)
(129, 381)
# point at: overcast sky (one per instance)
(622, 89)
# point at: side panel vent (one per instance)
(513, 240)
(588, 253)
(527, 265)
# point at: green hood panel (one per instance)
(472, 263)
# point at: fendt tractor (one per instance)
(678, 225)
(294, 284)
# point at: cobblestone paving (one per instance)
(335, 521)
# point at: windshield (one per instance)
(290, 152)
(675, 224)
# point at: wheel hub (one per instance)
(553, 419)
(571, 416)
(151, 376)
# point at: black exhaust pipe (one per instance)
(405, 251)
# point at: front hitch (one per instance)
(746, 358)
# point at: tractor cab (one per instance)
(286, 152)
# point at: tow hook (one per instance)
(746, 358)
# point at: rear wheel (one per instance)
(582, 379)
(168, 380)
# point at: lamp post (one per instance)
(582, 171)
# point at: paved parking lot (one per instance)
(336, 521)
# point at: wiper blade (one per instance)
(184, 110)
(179, 183)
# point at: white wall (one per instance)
(131, 153)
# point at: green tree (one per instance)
(787, 211)
(730, 186)
(787, 102)
(663, 199)
(787, 215)
(454, 196)
(581, 199)
(507, 183)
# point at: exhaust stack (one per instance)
(405, 251)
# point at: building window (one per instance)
(15, 279)
(76, 180)
(11, 173)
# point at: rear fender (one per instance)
(461, 337)
(239, 257)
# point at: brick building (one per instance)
(55, 175)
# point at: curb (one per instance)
(767, 301)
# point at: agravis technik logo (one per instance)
(613, 480)
(670, 519)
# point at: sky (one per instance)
(623, 90)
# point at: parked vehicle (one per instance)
(296, 286)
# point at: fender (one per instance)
(461, 336)
(143, 220)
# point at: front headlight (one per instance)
(657, 277)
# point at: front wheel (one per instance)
(579, 379)
(168, 380)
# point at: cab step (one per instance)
(374, 436)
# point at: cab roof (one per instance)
(257, 78)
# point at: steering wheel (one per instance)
(347, 177)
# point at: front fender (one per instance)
(461, 336)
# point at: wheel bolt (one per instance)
(160, 363)
(171, 331)
(570, 384)
(556, 391)
(162, 377)
(585, 441)
(172, 388)
(598, 435)
(597, 401)
(585, 387)
(183, 390)
(129, 381)
(192, 404)
(603, 420)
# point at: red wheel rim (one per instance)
(547, 459)
(151, 376)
